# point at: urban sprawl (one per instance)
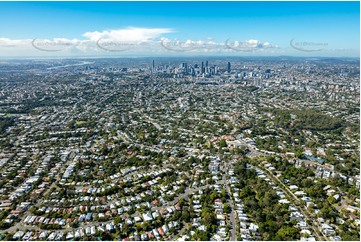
(180, 149)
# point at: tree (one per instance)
(269, 226)
(185, 216)
(226, 208)
(208, 218)
(117, 220)
(201, 235)
(299, 154)
(222, 143)
(288, 233)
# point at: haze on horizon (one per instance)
(140, 29)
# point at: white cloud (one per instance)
(128, 34)
(6, 42)
(133, 40)
(251, 45)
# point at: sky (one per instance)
(329, 29)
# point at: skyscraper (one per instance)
(184, 65)
(229, 67)
(202, 67)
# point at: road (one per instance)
(344, 201)
(20, 226)
(232, 217)
(315, 227)
(152, 121)
(180, 233)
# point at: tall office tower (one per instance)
(184, 65)
(202, 67)
(206, 63)
(229, 67)
(153, 67)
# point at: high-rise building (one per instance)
(184, 65)
(202, 67)
(229, 67)
(153, 67)
(206, 63)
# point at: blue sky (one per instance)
(319, 28)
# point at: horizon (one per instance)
(176, 57)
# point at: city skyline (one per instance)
(127, 29)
